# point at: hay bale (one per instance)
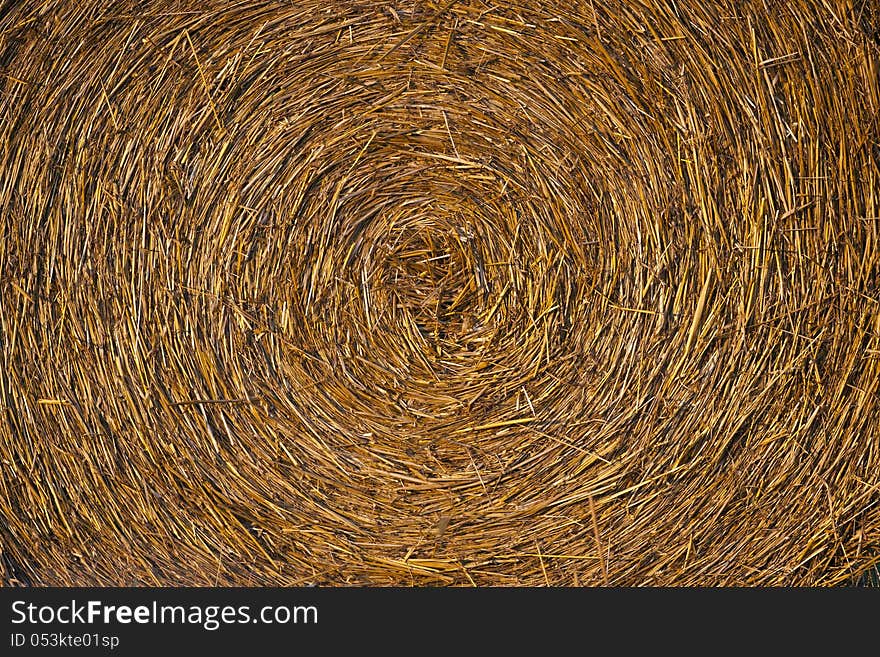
(439, 292)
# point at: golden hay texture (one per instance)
(419, 292)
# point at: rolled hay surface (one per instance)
(439, 292)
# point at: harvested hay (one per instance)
(439, 292)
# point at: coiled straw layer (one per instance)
(439, 292)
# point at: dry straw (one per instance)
(439, 292)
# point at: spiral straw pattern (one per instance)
(425, 292)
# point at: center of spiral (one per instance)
(433, 279)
